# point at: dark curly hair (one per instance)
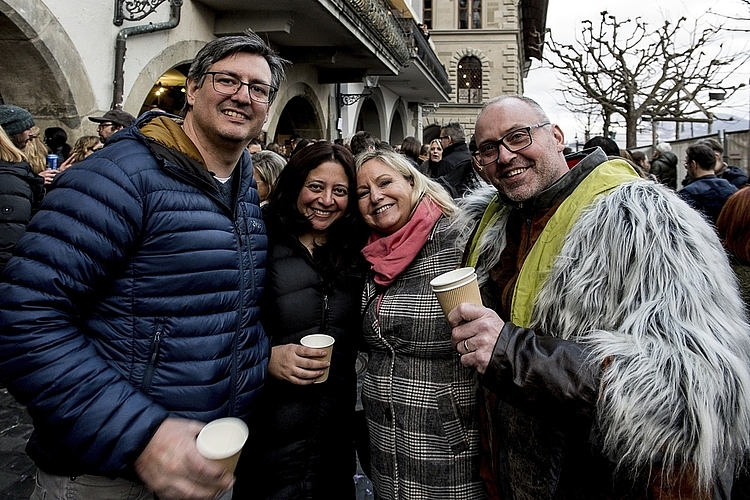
(346, 236)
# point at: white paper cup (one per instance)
(320, 341)
(454, 287)
(222, 440)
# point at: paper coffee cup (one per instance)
(454, 287)
(320, 341)
(222, 440)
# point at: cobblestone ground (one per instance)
(16, 469)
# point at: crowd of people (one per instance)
(165, 273)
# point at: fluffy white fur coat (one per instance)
(643, 280)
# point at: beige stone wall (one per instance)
(496, 46)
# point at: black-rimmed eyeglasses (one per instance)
(226, 84)
(513, 141)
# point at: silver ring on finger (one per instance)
(466, 346)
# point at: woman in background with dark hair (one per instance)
(56, 140)
(301, 441)
(412, 148)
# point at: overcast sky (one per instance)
(564, 19)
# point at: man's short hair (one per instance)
(362, 141)
(223, 47)
(702, 155)
(454, 130)
(713, 144)
(663, 147)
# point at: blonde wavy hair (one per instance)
(8, 151)
(423, 186)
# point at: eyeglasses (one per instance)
(105, 124)
(229, 85)
(444, 137)
(513, 141)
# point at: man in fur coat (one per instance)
(614, 347)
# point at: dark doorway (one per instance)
(299, 118)
(168, 93)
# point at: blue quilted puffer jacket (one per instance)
(133, 296)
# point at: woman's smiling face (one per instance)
(384, 197)
(324, 195)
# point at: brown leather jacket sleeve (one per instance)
(545, 376)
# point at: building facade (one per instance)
(357, 64)
(486, 47)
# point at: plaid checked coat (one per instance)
(420, 402)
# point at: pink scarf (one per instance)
(389, 255)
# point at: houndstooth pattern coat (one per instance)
(420, 402)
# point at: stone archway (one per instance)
(32, 48)
(298, 117)
(369, 119)
(397, 129)
(178, 55)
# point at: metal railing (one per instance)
(417, 41)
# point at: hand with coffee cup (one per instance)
(299, 364)
(172, 467)
(475, 332)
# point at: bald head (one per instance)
(536, 161)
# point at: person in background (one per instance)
(734, 175)
(613, 344)
(733, 226)
(83, 147)
(420, 403)
(23, 133)
(275, 147)
(456, 169)
(17, 123)
(56, 140)
(430, 167)
(609, 146)
(145, 266)
(111, 122)
(254, 146)
(411, 148)
(664, 165)
(21, 192)
(362, 141)
(299, 145)
(640, 159)
(707, 193)
(302, 443)
(267, 167)
(36, 151)
(424, 153)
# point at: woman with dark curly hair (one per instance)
(301, 441)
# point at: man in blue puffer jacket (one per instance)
(129, 315)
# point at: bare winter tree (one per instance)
(631, 70)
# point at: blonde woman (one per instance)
(435, 154)
(83, 147)
(420, 402)
(21, 192)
